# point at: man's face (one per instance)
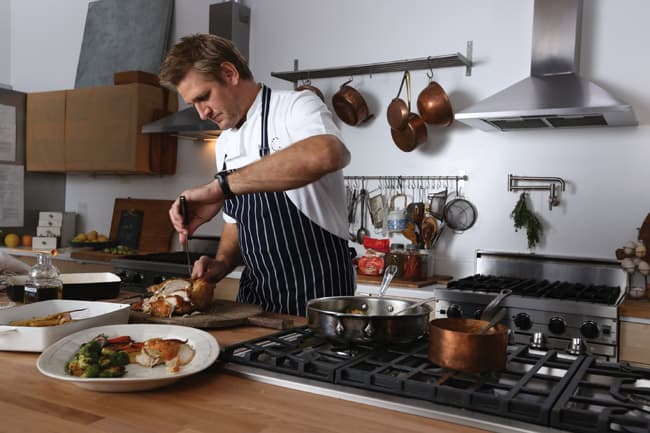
(213, 100)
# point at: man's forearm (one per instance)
(298, 165)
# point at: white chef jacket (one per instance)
(293, 116)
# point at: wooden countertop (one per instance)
(206, 402)
(639, 308)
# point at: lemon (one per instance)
(91, 235)
(12, 240)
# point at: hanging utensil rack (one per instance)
(431, 62)
(402, 181)
(550, 186)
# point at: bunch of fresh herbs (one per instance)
(524, 217)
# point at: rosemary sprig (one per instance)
(523, 217)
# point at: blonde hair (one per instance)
(204, 53)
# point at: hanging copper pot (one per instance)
(414, 132)
(350, 106)
(306, 85)
(398, 111)
(434, 105)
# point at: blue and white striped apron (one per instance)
(289, 259)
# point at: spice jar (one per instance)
(411, 266)
(426, 264)
(395, 257)
(43, 281)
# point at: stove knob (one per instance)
(523, 322)
(159, 279)
(137, 278)
(477, 313)
(455, 311)
(557, 325)
(589, 329)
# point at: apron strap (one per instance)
(266, 102)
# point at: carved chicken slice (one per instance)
(178, 296)
(173, 353)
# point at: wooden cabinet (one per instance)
(46, 131)
(634, 342)
(97, 129)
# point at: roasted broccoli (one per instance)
(94, 360)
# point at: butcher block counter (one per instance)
(210, 401)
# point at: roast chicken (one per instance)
(177, 296)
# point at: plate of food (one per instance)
(128, 358)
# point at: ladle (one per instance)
(417, 304)
(389, 274)
(494, 320)
(362, 232)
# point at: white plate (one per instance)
(138, 378)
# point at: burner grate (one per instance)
(526, 390)
(605, 397)
(600, 294)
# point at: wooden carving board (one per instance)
(222, 314)
(156, 231)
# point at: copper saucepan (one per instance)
(350, 106)
(458, 344)
(414, 132)
(434, 105)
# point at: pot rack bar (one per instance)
(431, 62)
(551, 186)
(406, 181)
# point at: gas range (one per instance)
(554, 299)
(539, 391)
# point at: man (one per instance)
(280, 185)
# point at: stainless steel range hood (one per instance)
(554, 96)
(230, 20)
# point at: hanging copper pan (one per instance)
(415, 131)
(350, 106)
(434, 105)
(398, 112)
(306, 85)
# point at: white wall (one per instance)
(606, 168)
(5, 42)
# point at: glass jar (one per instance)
(43, 281)
(411, 267)
(426, 264)
(395, 257)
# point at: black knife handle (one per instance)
(183, 205)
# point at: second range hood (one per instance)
(230, 20)
(554, 95)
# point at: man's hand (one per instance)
(203, 203)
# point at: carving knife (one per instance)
(186, 221)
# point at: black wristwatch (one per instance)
(222, 178)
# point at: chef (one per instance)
(280, 182)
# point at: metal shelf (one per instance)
(445, 61)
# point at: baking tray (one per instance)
(82, 286)
(36, 339)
